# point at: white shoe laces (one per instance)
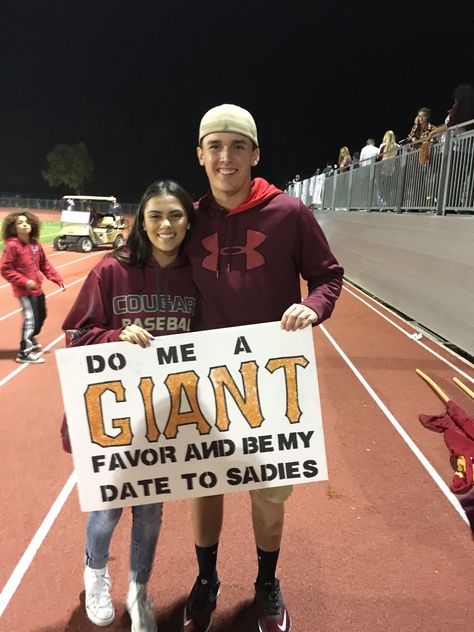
(99, 593)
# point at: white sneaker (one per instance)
(99, 606)
(140, 608)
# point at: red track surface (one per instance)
(377, 547)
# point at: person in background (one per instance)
(115, 207)
(421, 129)
(355, 159)
(152, 258)
(461, 111)
(344, 160)
(384, 178)
(261, 241)
(328, 170)
(24, 264)
(368, 153)
(389, 147)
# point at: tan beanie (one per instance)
(228, 118)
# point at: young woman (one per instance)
(389, 147)
(344, 160)
(151, 272)
(384, 177)
(24, 264)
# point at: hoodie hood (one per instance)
(260, 191)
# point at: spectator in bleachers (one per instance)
(422, 127)
(344, 161)
(389, 147)
(355, 159)
(462, 110)
(328, 170)
(369, 152)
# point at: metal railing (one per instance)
(444, 184)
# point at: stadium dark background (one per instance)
(132, 80)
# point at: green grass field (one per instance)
(49, 230)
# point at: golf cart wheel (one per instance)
(119, 241)
(59, 243)
(84, 244)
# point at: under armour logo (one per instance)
(253, 259)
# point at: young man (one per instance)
(369, 152)
(250, 244)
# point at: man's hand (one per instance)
(298, 316)
(30, 284)
(136, 335)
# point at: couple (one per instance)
(237, 254)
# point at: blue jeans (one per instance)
(145, 532)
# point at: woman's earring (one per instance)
(188, 226)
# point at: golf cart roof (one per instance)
(107, 198)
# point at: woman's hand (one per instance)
(30, 284)
(298, 316)
(136, 335)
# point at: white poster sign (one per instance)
(195, 414)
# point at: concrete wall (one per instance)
(421, 265)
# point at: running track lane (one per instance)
(377, 547)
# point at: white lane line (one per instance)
(33, 547)
(410, 334)
(398, 427)
(22, 367)
(16, 311)
(68, 263)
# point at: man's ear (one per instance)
(200, 156)
(256, 156)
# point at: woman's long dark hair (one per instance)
(463, 105)
(137, 250)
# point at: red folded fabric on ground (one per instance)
(458, 429)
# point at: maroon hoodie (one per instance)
(161, 300)
(23, 261)
(247, 262)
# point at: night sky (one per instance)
(132, 80)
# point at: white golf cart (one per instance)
(89, 221)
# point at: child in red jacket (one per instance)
(23, 265)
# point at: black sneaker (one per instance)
(29, 358)
(273, 615)
(200, 605)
